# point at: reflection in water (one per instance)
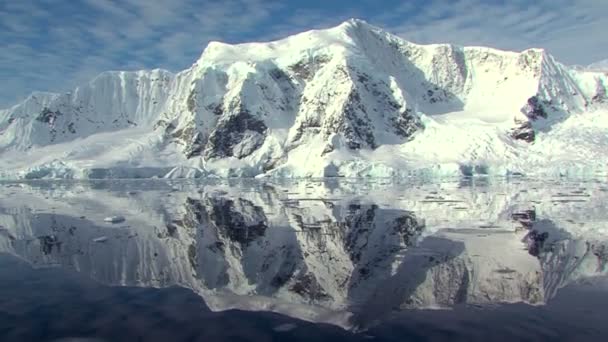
(343, 253)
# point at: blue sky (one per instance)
(54, 45)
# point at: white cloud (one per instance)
(573, 30)
(49, 50)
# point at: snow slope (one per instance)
(599, 66)
(351, 100)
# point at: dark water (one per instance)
(304, 260)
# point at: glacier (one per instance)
(349, 101)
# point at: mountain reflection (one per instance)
(336, 252)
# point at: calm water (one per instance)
(339, 260)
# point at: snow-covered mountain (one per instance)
(324, 252)
(599, 66)
(347, 101)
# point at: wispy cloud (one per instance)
(54, 45)
(570, 29)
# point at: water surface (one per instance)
(304, 260)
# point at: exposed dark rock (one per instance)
(436, 95)
(360, 222)
(406, 124)
(536, 108)
(354, 207)
(192, 256)
(196, 212)
(526, 218)
(231, 222)
(48, 116)
(171, 230)
(234, 130)
(524, 132)
(462, 294)
(601, 252)
(409, 227)
(167, 126)
(600, 93)
(535, 242)
(305, 69)
(48, 243)
(363, 78)
(182, 135)
(189, 137)
(526, 215)
(306, 124)
(217, 109)
(279, 75)
(278, 281)
(328, 149)
(196, 146)
(191, 101)
(531, 61)
(355, 125)
(307, 286)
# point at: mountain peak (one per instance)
(353, 25)
(354, 22)
(343, 35)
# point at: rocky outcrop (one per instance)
(237, 134)
(524, 131)
(536, 108)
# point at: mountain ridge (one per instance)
(353, 99)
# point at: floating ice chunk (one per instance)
(115, 219)
(101, 239)
(285, 327)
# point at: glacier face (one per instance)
(350, 101)
(344, 253)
